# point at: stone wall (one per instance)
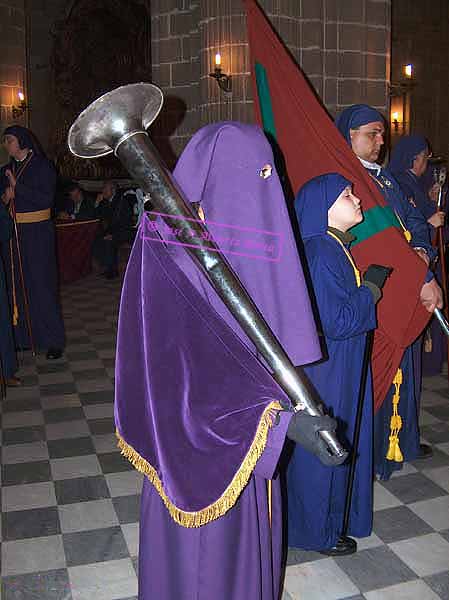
(42, 15)
(421, 37)
(342, 46)
(12, 62)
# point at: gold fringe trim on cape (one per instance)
(394, 451)
(231, 494)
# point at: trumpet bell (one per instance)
(113, 117)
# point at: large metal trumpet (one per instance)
(116, 122)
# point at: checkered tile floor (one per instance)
(70, 502)
(407, 556)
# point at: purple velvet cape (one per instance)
(179, 380)
(191, 394)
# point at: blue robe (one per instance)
(35, 190)
(415, 192)
(8, 363)
(316, 494)
(408, 406)
(413, 187)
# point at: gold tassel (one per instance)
(428, 342)
(230, 495)
(394, 451)
(15, 315)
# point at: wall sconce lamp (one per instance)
(408, 71)
(395, 120)
(223, 80)
(18, 111)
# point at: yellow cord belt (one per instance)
(349, 257)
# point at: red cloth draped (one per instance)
(312, 145)
(74, 249)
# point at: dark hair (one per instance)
(71, 186)
(25, 138)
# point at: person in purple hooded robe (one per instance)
(196, 410)
(27, 187)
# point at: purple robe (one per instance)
(191, 394)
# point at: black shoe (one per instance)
(425, 451)
(344, 546)
(54, 353)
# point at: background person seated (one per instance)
(79, 204)
(116, 215)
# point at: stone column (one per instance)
(12, 62)
(421, 37)
(175, 47)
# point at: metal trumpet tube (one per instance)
(116, 122)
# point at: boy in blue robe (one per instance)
(326, 208)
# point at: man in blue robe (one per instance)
(8, 363)
(27, 187)
(409, 161)
(363, 127)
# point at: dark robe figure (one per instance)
(316, 494)
(403, 156)
(193, 399)
(8, 363)
(116, 222)
(415, 230)
(29, 180)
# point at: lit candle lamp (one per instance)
(223, 80)
(395, 118)
(408, 70)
